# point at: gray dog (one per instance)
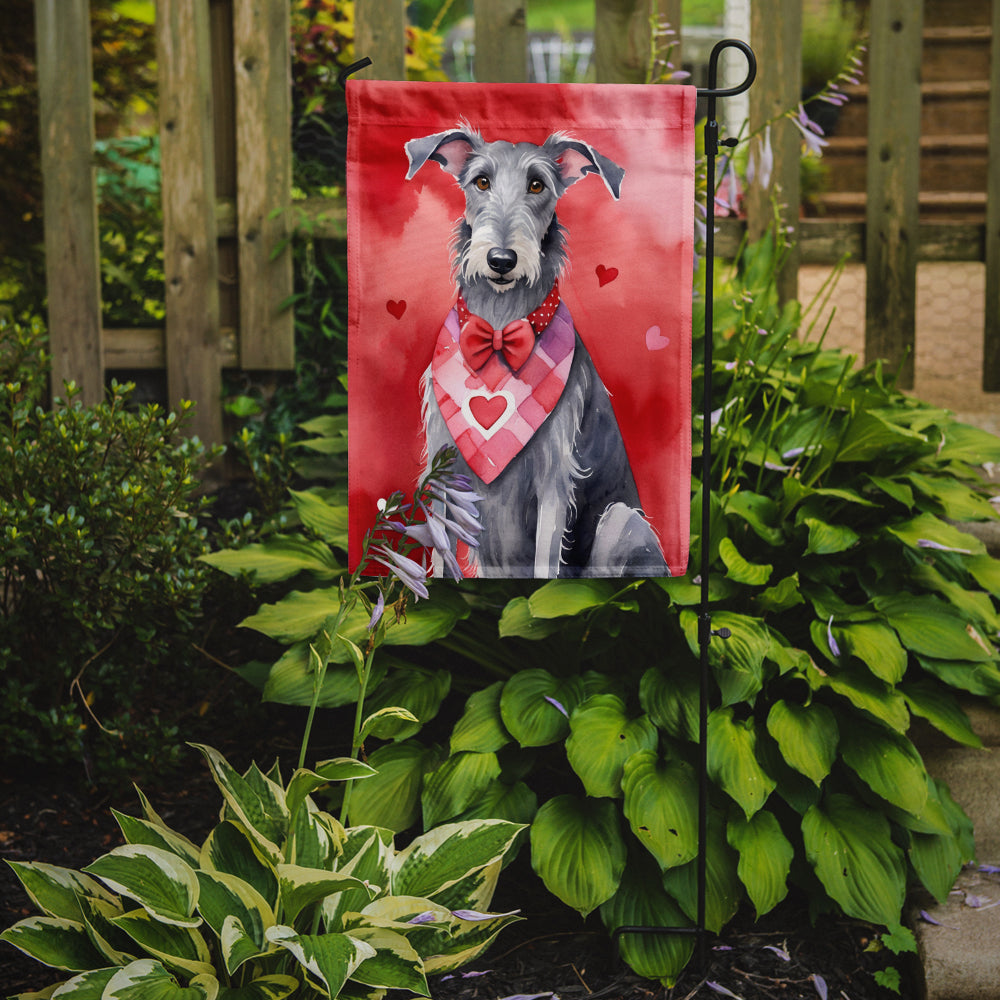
(511, 382)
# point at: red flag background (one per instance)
(628, 284)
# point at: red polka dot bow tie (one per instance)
(478, 340)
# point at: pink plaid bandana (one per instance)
(492, 414)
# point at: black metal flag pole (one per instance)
(705, 631)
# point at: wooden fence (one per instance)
(226, 160)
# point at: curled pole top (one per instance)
(712, 90)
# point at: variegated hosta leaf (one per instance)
(642, 902)
(578, 851)
(54, 941)
(661, 799)
(456, 784)
(149, 980)
(230, 849)
(158, 880)
(535, 706)
(888, 763)
(807, 736)
(56, 891)
(395, 964)
(367, 853)
(301, 887)
(315, 838)
(329, 959)
(602, 737)
(765, 858)
(476, 890)
(418, 691)
(98, 915)
(256, 801)
(225, 897)
(441, 857)
(481, 727)
(177, 947)
(304, 782)
(391, 799)
(86, 986)
(723, 889)
(850, 847)
(732, 760)
(141, 831)
(274, 987)
(467, 940)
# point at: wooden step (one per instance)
(958, 206)
(947, 162)
(939, 13)
(956, 53)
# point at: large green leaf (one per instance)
(976, 678)
(54, 941)
(535, 706)
(416, 689)
(931, 628)
(164, 885)
(292, 680)
(807, 736)
(56, 891)
(828, 539)
(559, 598)
(723, 889)
(456, 784)
(391, 798)
(851, 850)
(864, 691)
(275, 987)
(661, 800)
(671, 700)
(758, 511)
(481, 728)
(86, 986)
(144, 831)
(329, 959)
(578, 851)
(941, 709)
(888, 763)
(147, 979)
(876, 646)
(518, 621)
(301, 887)
(958, 502)
(870, 436)
(739, 569)
(327, 520)
(738, 661)
(732, 760)
(225, 897)
(765, 858)
(641, 901)
(304, 782)
(439, 858)
(516, 803)
(602, 738)
(926, 528)
(279, 558)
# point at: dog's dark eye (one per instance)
(535, 187)
(482, 182)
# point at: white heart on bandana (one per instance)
(483, 410)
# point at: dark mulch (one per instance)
(551, 951)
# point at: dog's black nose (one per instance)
(501, 260)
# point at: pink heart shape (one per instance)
(605, 274)
(655, 341)
(396, 308)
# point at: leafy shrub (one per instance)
(279, 899)
(855, 603)
(99, 539)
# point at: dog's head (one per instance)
(509, 237)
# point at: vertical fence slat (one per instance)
(190, 253)
(893, 183)
(72, 257)
(501, 41)
(380, 34)
(776, 35)
(621, 40)
(991, 333)
(261, 57)
(670, 12)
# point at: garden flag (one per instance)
(520, 280)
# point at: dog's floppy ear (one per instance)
(577, 159)
(449, 149)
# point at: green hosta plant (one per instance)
(855, 602)
(279, 900)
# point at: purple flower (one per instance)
(410, 573)
(780, 952)
(834, 647)
(811, 132)
(377, 611)
(558, 705)
(820, 983)
(475, 915)
(427, 917)
(927, 543)
(761, 163)
(719, 988)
